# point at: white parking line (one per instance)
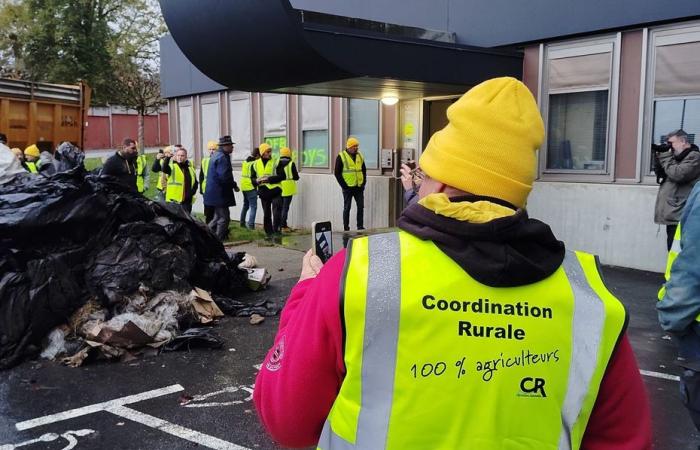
(175, 430)
(663, 376)
(97, 407)
(118, 408)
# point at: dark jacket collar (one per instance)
(509, 251)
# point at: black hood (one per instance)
(510, 251)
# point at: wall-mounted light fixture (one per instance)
(390, 100)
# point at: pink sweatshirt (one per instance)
(302, 374)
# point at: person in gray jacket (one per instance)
(681, 161)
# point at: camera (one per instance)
(661, 147)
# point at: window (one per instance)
(240, 119)
(314, 131)
(185, 123)
(363, 124)
(274, 108)
(676, 85)
(210, 122)
(579, 80)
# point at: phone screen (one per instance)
(323, 240)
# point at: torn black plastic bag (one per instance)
(232, 307)
(194, 338)
(70, 235)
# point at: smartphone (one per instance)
(411, 164)
(322, 236)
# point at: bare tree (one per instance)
(139, 90)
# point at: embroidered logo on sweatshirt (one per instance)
(275, 361)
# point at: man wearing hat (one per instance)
(351, 174)
(203, 170)
(266, 177)
(220, 187)
(288, 184)
(31, 158)
(471, 327)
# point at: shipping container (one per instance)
(43, 114)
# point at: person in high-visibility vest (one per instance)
(679, 302)
(351, 174)
(31, 158)
(289, 184)
(471, 327)
(249, 191)
(142, 171)
(181, 186)
(203, 170)
(157, 167)
(266, 178)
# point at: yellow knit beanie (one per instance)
(286, 152)
(488, 147)
(32, 150)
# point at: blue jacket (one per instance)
(220, 183)
(681, 302)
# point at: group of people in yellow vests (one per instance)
(272, 179)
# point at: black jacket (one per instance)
(505, 252)
(124, 170)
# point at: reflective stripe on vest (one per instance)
(31, 166)
(352, 169)
(205, 170)
(140, 173)
(246, 183)
(266, 170)
(289, 185)
(175, 191)
(672, 255)
(389, 400)
(162, 177)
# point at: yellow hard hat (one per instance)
(212, 145)
(32, 150)
(264, 147)
(286, 152)
(17, 151)
(352, 142)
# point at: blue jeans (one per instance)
(250, 202)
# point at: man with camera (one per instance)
(677, 170)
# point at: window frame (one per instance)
(656, 37)
(581, 47)
(300, 123)
(346, 129)
(233, 96)
(286, 133)
(210, 99)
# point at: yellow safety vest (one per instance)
(205, 170)
(140, 173)
(32, 167)
(437, 360)
(352, 169)
(246, 183)
(289, 185)
(162, 177)
(672, 255)
(175, 191)
(266, 170)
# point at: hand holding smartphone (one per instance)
(322, 240)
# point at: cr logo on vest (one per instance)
(533, 386)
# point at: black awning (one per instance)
(266, 45)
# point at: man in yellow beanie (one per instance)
(31, 158)
(471, 327)
(351, 174)
(288, 184)
(212, 146)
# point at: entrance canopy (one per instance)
(267, 46)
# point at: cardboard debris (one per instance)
(256, 319)
(204, 306)
(258, 278)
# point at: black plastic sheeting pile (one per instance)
(72, 235)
